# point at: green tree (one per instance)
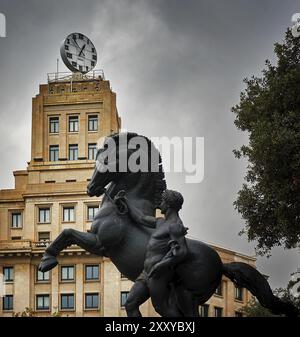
(269, 111)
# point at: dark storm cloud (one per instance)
(177, 68)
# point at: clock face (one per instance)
(78, 53)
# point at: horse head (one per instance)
(131, 162)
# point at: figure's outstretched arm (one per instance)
(140, 217)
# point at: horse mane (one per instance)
(158, 177)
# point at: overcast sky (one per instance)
(177, 68)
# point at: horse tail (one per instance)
(246, 276)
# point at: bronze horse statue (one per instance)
(115, 235)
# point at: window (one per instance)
(44, 215)
(204, 310)
(44, 239)
(42, 302)
(124, 296)
(92, 301)
(91, 212)
(93, 123)
(68, 214)
(8, 273)
(219, 291)
(54, 125)
(44, 236)
(8, 302)
(92, 150)
(42, 277)
(16, 237)
(53, 152)
(239, 294)
(92, 272)
(218, 312)
(67, 302)
(73, 121)
(67, 273)
(73, 152)
(238, 314)
(16, 220)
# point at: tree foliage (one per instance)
(28, 312)
(269, 111)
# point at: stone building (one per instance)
(69, 115)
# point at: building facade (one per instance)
(69, 115)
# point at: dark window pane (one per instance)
(93, 123)
(44, 215)
(92, 272)
(218, 312)
(42, 302)
(239, 293)
(8, 274)
(53, 152)
(67, 301)
(73, 152)
(67, 273)
(92, 210)
(73, 124)
(8, 301)
(124, 295)
(16, 221)
(92, 151)
(42, 276)
(54, 125)
(204, 310)
(68, 214)
(92, 301)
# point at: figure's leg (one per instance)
(163, 297)
(67, 237)
(138, 294)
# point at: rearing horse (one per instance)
(115, 235)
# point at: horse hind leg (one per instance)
(244, 275)
(67, 237)
(188, 303)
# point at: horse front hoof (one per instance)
(48, 262)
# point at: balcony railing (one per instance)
(69, 77)
(28, 245)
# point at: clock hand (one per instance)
(76, 43)
(81, 50)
